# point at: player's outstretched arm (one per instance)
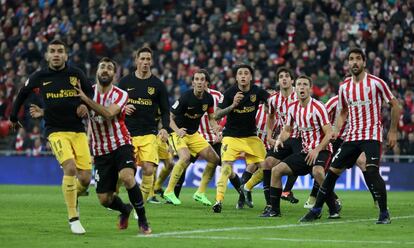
(107, 112)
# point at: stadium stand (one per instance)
(310, 37)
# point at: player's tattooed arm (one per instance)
(220, 113)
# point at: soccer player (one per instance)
(360, 101)
(315, 129)
(64, 128)
(186, 114)
(240, 104)
(278, 108)
(257, 177)
(331, 105)
(112, 146)
(146, 94)
(214, 139)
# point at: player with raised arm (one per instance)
(112, 146)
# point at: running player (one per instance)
(64, 128)
(112, 147)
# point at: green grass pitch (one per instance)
(35, 216)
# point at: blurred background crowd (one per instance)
(310, 37)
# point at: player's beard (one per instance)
(104, 81)
(358, 72)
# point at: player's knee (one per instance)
(84, 177)
(185, 158)
(318, 173)
(69, 167)
(276, 172)
(361, 163)
(127, 178)
(105, 199)
(216, 158)
(147, 169)
(251, 168)
(271, 162)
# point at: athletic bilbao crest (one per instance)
(73, 81)
(151, 90)
(253, 98)
(205, 106)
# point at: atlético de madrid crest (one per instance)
(73, 81)
(151, 90)
(253, 98)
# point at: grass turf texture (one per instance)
(35, 216)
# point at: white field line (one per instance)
(229, 229)
(315, 241)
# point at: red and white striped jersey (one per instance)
(310, 120)
(261, 118)
(205, 127)
(332, 113)
(278, 104)
(108, 135)
(364, 102)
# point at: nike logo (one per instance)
(129, 162)
(129, 89)
(373, 158)
(46, 83)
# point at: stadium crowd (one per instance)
(310, 37)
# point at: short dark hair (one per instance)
(144, 49)
(303, 76)
(356, 50)
(58, 42)
(285, 69)
(240, 66)
(203, 71)
(106, 59)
